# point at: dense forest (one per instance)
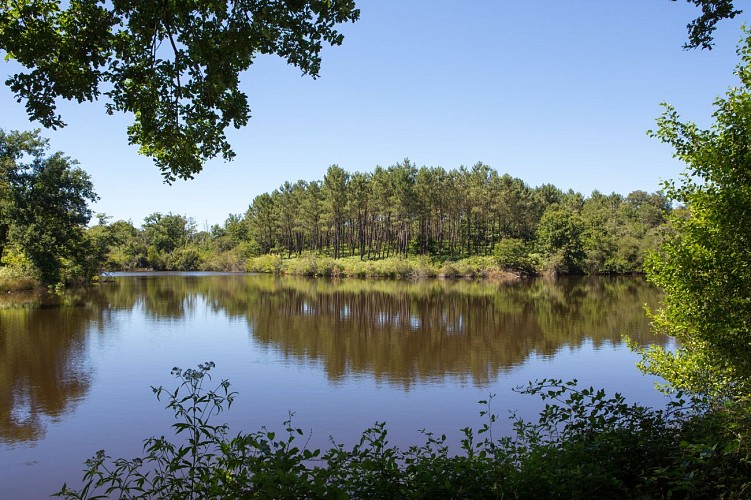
(405, 211)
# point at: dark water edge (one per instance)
(75, 369)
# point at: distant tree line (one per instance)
(405, 211)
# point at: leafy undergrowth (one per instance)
(584, 445)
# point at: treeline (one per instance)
(405, 211)
(466, 221)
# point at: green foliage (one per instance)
(704, 264)
(172, 471)
(15, 278)
(712, 11)
(583, 445)
(184, 259)
(126, 249)
(269, 263)
(174, 66)
(43, 207)
(393, 267)
(513, 254)
(311, 264)
(618, 232)
(441, 222)
(165, 233)
(559, 237)
(169, 243)
(472, 267)
(400, 222)
(334, 192)
(233, 259)
(588, 445)
(444, 215)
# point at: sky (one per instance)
(547, 91)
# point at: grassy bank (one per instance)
(393, 267)
(15, 280)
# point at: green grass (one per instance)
(392, 267)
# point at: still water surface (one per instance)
(76, 369)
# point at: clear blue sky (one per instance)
(548, 91)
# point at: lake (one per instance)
(76, 369)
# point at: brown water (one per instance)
(76, 369)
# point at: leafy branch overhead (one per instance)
(175, 65)
(700, 29)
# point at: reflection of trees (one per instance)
(162, 296)
(402, 331)
(394, 336)
(398, 331)
(41, 370)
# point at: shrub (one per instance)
(512, 254)
(231, 260)
(471, 267)
(448, 270)
(183, 259)
(583, 445)
(305, 265)
(14, 279)
(422, 267)
(268, 263)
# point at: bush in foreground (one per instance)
(584, 445)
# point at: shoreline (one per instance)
(412, 268)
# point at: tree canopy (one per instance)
(43, 205)
(174, 65)
(700, 30)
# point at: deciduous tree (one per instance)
(174, 65)
(704, 266)
(43, 203)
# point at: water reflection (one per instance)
(42, 373)
(402, 330)
(399, 332)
